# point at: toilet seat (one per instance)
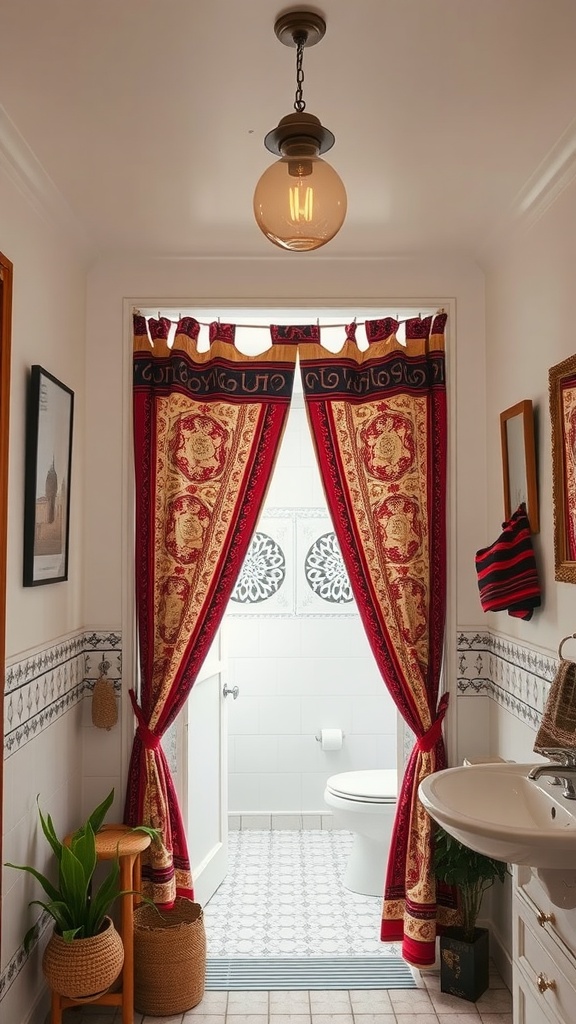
(378, 786)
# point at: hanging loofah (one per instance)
(104, 707)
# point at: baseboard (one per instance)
(281, 821)
(40, 1012)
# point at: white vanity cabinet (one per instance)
(544, 938)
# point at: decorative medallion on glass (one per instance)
(325, 571)
(263, 571)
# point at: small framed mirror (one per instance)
(562, 391)
(519, 462)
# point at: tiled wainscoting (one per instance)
(45, 683)
(514, 675)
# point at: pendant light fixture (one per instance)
(300, 201)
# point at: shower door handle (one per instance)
(234, 690)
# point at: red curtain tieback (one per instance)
(150, 740)
(428, 741)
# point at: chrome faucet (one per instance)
(562, 769)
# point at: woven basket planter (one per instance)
(169, 958)
(84, 968)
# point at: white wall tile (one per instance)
(326, 712)
(280, 792)
(256, 754)
(374, 714)
(280, 715)
(254, 676)
(243, 715)
(243, 794)
(241, 636)
(340, 637)
(313, 786)
(279, 638)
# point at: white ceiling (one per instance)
(148, 116)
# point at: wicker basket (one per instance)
(84, 968)
(169, 958)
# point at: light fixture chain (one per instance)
(300, 40)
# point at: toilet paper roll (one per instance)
(331, 739)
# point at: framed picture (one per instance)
(562, 392)
(47, 479)
(519, 462)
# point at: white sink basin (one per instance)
(497, 810)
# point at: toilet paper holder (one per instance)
(318, 736)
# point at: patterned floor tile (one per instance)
(284, 894)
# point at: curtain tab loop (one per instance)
(149, 739)
(428, 741)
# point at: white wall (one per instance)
(301, 664)
(41, 713)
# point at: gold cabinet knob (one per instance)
(543, 918)
(543, 983)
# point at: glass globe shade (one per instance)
(300, 202)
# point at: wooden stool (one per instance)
(121, 841)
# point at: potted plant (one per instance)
(84, 955)
(464, 950)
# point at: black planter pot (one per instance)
(464, 969)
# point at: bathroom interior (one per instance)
(492, 242)
(305, 703)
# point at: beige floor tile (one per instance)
(468, 1017)
(444, 1003)
(332, 1018)
(416, 1018)
(290, 1018)
(374, 1018)
(495, 1000)
(410, 1001)
(212, 1003)
(247, 1002)
(216, 1001)
(204, 1018)
(330, 1002)
(370, 1001)
(289, 1002)
(247, 1018)
(432, 982)
(175, 1018)
(496, 1018)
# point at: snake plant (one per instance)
(78, 911)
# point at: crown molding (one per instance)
(550, 179)
(21, 166)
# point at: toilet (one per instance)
(364, 803)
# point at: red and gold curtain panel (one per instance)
(207, 429)
(378, 419)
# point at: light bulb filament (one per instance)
(301, 204)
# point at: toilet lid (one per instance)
(375, 786)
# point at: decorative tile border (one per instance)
(18, 960)
(516, 676)
(44, 685)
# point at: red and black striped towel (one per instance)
(507, 573)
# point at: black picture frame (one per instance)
(48, 466)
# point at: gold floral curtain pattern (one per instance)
(207, 429)
(379, 422)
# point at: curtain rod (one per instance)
(266, 327)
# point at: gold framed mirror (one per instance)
(519, 462)
(562, 393)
